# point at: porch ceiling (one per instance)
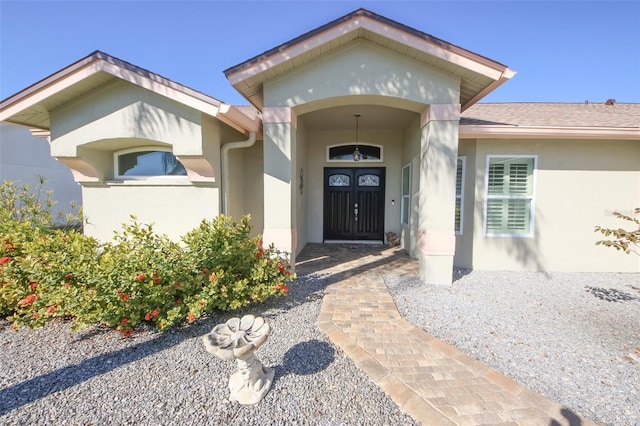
(479, 75)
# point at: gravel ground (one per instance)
(52, 376)
(574, 338)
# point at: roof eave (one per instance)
(507, 74)
(101, 62)
(474, 131)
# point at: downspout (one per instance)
(225, 167)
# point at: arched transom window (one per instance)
(353, 152)
(146, 162)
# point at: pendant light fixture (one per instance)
(356, 154)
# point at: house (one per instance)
(25, 158)
(359, 127)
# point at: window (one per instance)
(509, 200)
(459, 194)
(146, 163)
(369, 180)
(345, 152)
(406, 194)
(339, 180)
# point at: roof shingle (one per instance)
(619, 115)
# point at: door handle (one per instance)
(355, 211)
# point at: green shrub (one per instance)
(46, 275)
(48, 271)
(230, 269)
(140, 277)
(36, 253)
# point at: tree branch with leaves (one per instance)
(625, 240)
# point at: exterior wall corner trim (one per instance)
(440, 112)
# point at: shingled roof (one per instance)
(618, 115)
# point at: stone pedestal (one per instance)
(238, 339)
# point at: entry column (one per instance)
(437, 196)
(279, 147)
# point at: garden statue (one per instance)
(238, 339)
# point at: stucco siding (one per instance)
(362, 68)
(578, 184)
(214, 134)
(175, 210)
(279, 154)
(86, 133)
(253, 189)
(236, 184)
(302, 198)
(120, 113)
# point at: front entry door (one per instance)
(354, 203)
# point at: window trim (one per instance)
(531, 197)
(381, 160)
(463, 159)
(118, 176)
(403, 196)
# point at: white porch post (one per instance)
(437, 199)
(279, 124)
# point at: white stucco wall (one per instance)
(579, 183)
(87, 132)
(120, 112)
(253, 189)
(236, 184)
(363, 69)
(245, 186)
(24, 157)
(302, 197)
(174, 209)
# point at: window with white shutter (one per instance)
(509, 199)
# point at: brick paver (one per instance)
(434, 382)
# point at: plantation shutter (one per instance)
(496, 178)
(510, 216)
(519, 178)
(510, 185)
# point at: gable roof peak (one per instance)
(31, 106)
(479, 74)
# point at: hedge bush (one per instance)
(48, 272)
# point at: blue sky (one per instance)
(563, 51)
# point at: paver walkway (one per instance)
(434, 382)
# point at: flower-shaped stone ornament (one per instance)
(238, 339)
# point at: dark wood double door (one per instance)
(354, 203)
